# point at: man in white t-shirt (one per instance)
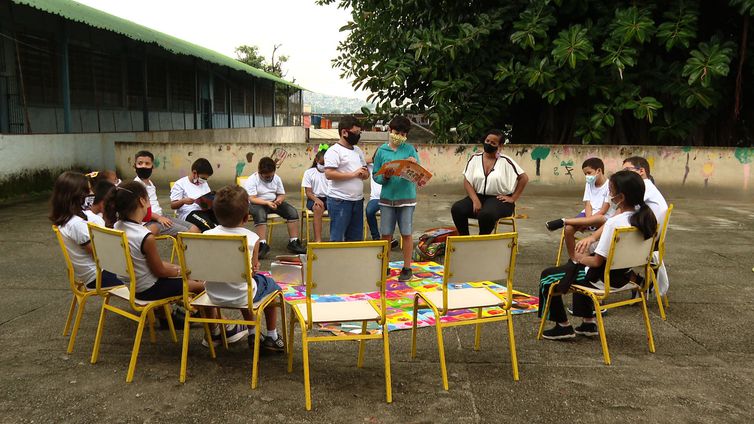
(158, 224)
(187, 190)
(652, 196)
(346, 167)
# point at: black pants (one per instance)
(492, 210)
(204, 220)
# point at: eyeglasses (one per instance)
(631, 168)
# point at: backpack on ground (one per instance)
(431, 244)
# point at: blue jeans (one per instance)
(372, 207)
(346, 219)
(403, 216)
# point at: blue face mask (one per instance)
(591, 179)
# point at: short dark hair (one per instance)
(231, 205)
(400, 123)
(266, 164)
(202, 166)
(347, 122)
(144, 153)
(494, 132)
(594, 163)
(639, 162)
(122, 201)
(101, 189)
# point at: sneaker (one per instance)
(405, 274)
(555, 224)
(394, 243)
(276, 345)
(295, 246)
(558, 332)
(233, 333)
(264, 250)
(587, 329)
(253, 339)
(604, 312)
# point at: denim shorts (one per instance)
(310, 203)
(403, 216)
(265, 286)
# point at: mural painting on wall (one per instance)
(539, 154)
(568, 166)
(279, 155)
(744, 156)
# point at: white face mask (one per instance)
(320, 167)
(614, 205)
(591, 179)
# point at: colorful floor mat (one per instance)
(400, 298)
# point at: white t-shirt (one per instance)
(185, 188)
(232, 294)
(345, 160)
(502, 178)
(152, 192)
(94, 218)
(375, 189)
(136, 233)
(316, 181)
(619, 220)
(75, 236)
(597, 196)
(266, 191)
(653, 198)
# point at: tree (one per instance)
(621, 72)
(250, 56)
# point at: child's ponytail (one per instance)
(644, 219)
(123, 200)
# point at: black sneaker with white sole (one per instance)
(295, 246)
(555, 224)
(273, 345)
(558, 332)
(264, 250)
(587, 329)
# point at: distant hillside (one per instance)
(322, 103)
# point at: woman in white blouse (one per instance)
(493, 183)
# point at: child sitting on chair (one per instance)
(267, 195)
(596, 205)
(187, 190)
(231, 209)
(67, 213)
(316, 186)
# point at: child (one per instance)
(127, 206)
(158, 224)
(652, 195)
(398, 195)
(626, 194)
(231, 207)
(346, 168)
(316, 186)
(95, 177)
(267, 195)
(186, 190)
(96, 211)
(67, 199)
(596, 205)
(374, 201)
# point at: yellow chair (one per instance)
(328, 273)
(307, 215)
(464, 263)
(273, 219)
(80, 294)
(223, 258)
(112, 253)
(561, 245)
(657, 260)
(628, 249)
(506, 220)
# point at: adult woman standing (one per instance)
(493, 183)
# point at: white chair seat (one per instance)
(204, 300)
(600, 290)
(122, 292)
(357, 310)
(473, 297)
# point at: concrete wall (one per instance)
(227, 135)
(554, 168)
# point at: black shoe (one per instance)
(558, 332)
(604, 312)
(264, 250)
(587, 329)
(276, 345)
(394, 243)
(405, 274)
(252, 339)
(295, 246)
(555, 224)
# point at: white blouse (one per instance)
(502, 178)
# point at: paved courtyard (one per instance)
(702, 372)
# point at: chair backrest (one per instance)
(172, 183)
(346, 267)
(76, 286)
(628, 249)
(490, 257)
(303, 200)
(663, 234)
(217, 258)
(240, 181)
(111, 253)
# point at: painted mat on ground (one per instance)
(400, 298)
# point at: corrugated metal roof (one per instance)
(96, 18)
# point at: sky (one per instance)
(308, 32)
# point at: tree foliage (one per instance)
(621, 72)
(250, 55)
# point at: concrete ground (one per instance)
(702, 371)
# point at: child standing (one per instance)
(316, 186)
(158, 224)
(398, 195)
(267, 195)
(186, 190)
(67, 213)
(231, 207)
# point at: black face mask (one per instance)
(353, 139)
(488, 148)
(144, 173)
